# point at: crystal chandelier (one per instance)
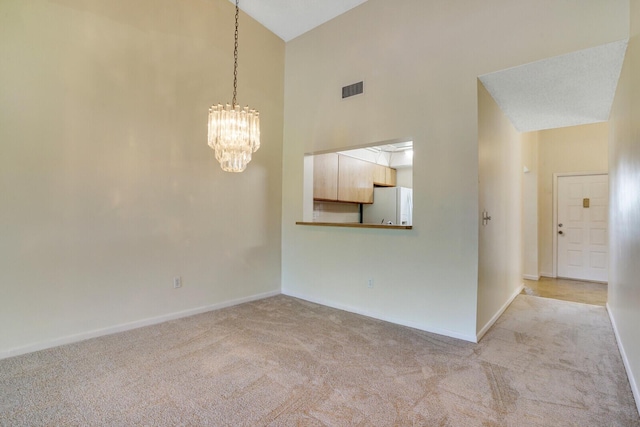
(234, 132)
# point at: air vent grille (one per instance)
(354, 89)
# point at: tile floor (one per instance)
(567, 290)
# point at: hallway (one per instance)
(593, 293)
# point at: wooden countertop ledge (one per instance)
(355, 225)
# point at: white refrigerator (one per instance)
(391, 206)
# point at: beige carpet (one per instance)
(286, 362)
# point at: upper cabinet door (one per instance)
(325, 176)
(390, 177)
(355, 180)
(379, 174)
(384, 176)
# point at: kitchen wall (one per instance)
(500, 195)
(624, 226)
(572, 149)
(107, 186)
(420, 61)
(404, 177)
(336, 212)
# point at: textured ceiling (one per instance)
(290, 18)
(568, 90)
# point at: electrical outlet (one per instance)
(370, 283)
(177, 282)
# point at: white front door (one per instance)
(583, 241)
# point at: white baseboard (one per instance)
(131, 325)
(546, 274)
(356, 310)
(625, 360)
(530, 277)
(496, 316)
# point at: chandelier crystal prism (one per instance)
(234, 132)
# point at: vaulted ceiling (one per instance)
(567, 90)
(290, 18)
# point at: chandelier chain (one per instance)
(235, 59)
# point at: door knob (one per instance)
(559, 225)
(560, 232)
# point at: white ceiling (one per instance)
(395, 155)
(568, 90)
(290, 18)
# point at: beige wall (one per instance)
(419, 61)
(530, 152)
(107, 186)
(624, 183)
(500, 194)
(572, 149)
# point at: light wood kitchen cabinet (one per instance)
(379, 174)
(384, 176)
(390, 175)
(355, 180)
(340, 178)
(325, 177)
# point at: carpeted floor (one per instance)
(286, 362)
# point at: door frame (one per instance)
(554, 225)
